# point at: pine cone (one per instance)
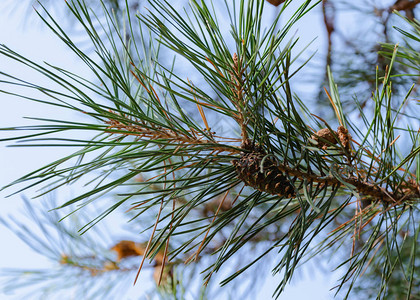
(325, 134)
(271, 180)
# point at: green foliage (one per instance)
(286, 183)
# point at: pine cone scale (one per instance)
(271, 180)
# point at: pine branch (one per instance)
(150, 144)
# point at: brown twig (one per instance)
(152, 132)
(406, 6)
(328, 12)
(276, 2)
(149, 242)
(410, 191)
